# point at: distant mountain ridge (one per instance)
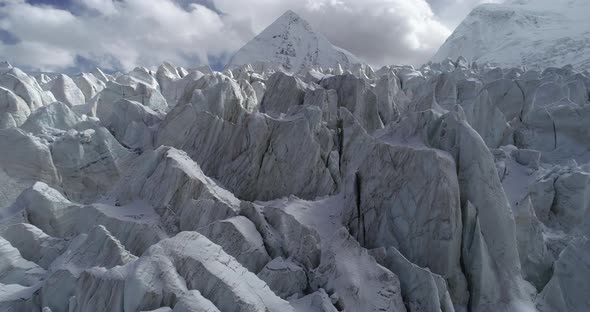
(292, 43)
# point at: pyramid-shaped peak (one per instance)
(291, 17)
(290, 14)
(291, 43)
(289, 24)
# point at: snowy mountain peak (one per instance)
(538, 34)
(291, 16)
(292, 43)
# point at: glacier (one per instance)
(317, 186)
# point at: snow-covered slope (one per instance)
(536, 33)
(291, 42)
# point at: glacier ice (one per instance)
(295, 184)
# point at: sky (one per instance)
(77, 35)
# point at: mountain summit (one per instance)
(538, 34)
(292, 43)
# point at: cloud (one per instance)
(116, 35)
(121, 34)
(106, 7)
(27, 53)
(384, 32)
(8, 38)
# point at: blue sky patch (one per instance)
(8, 38)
